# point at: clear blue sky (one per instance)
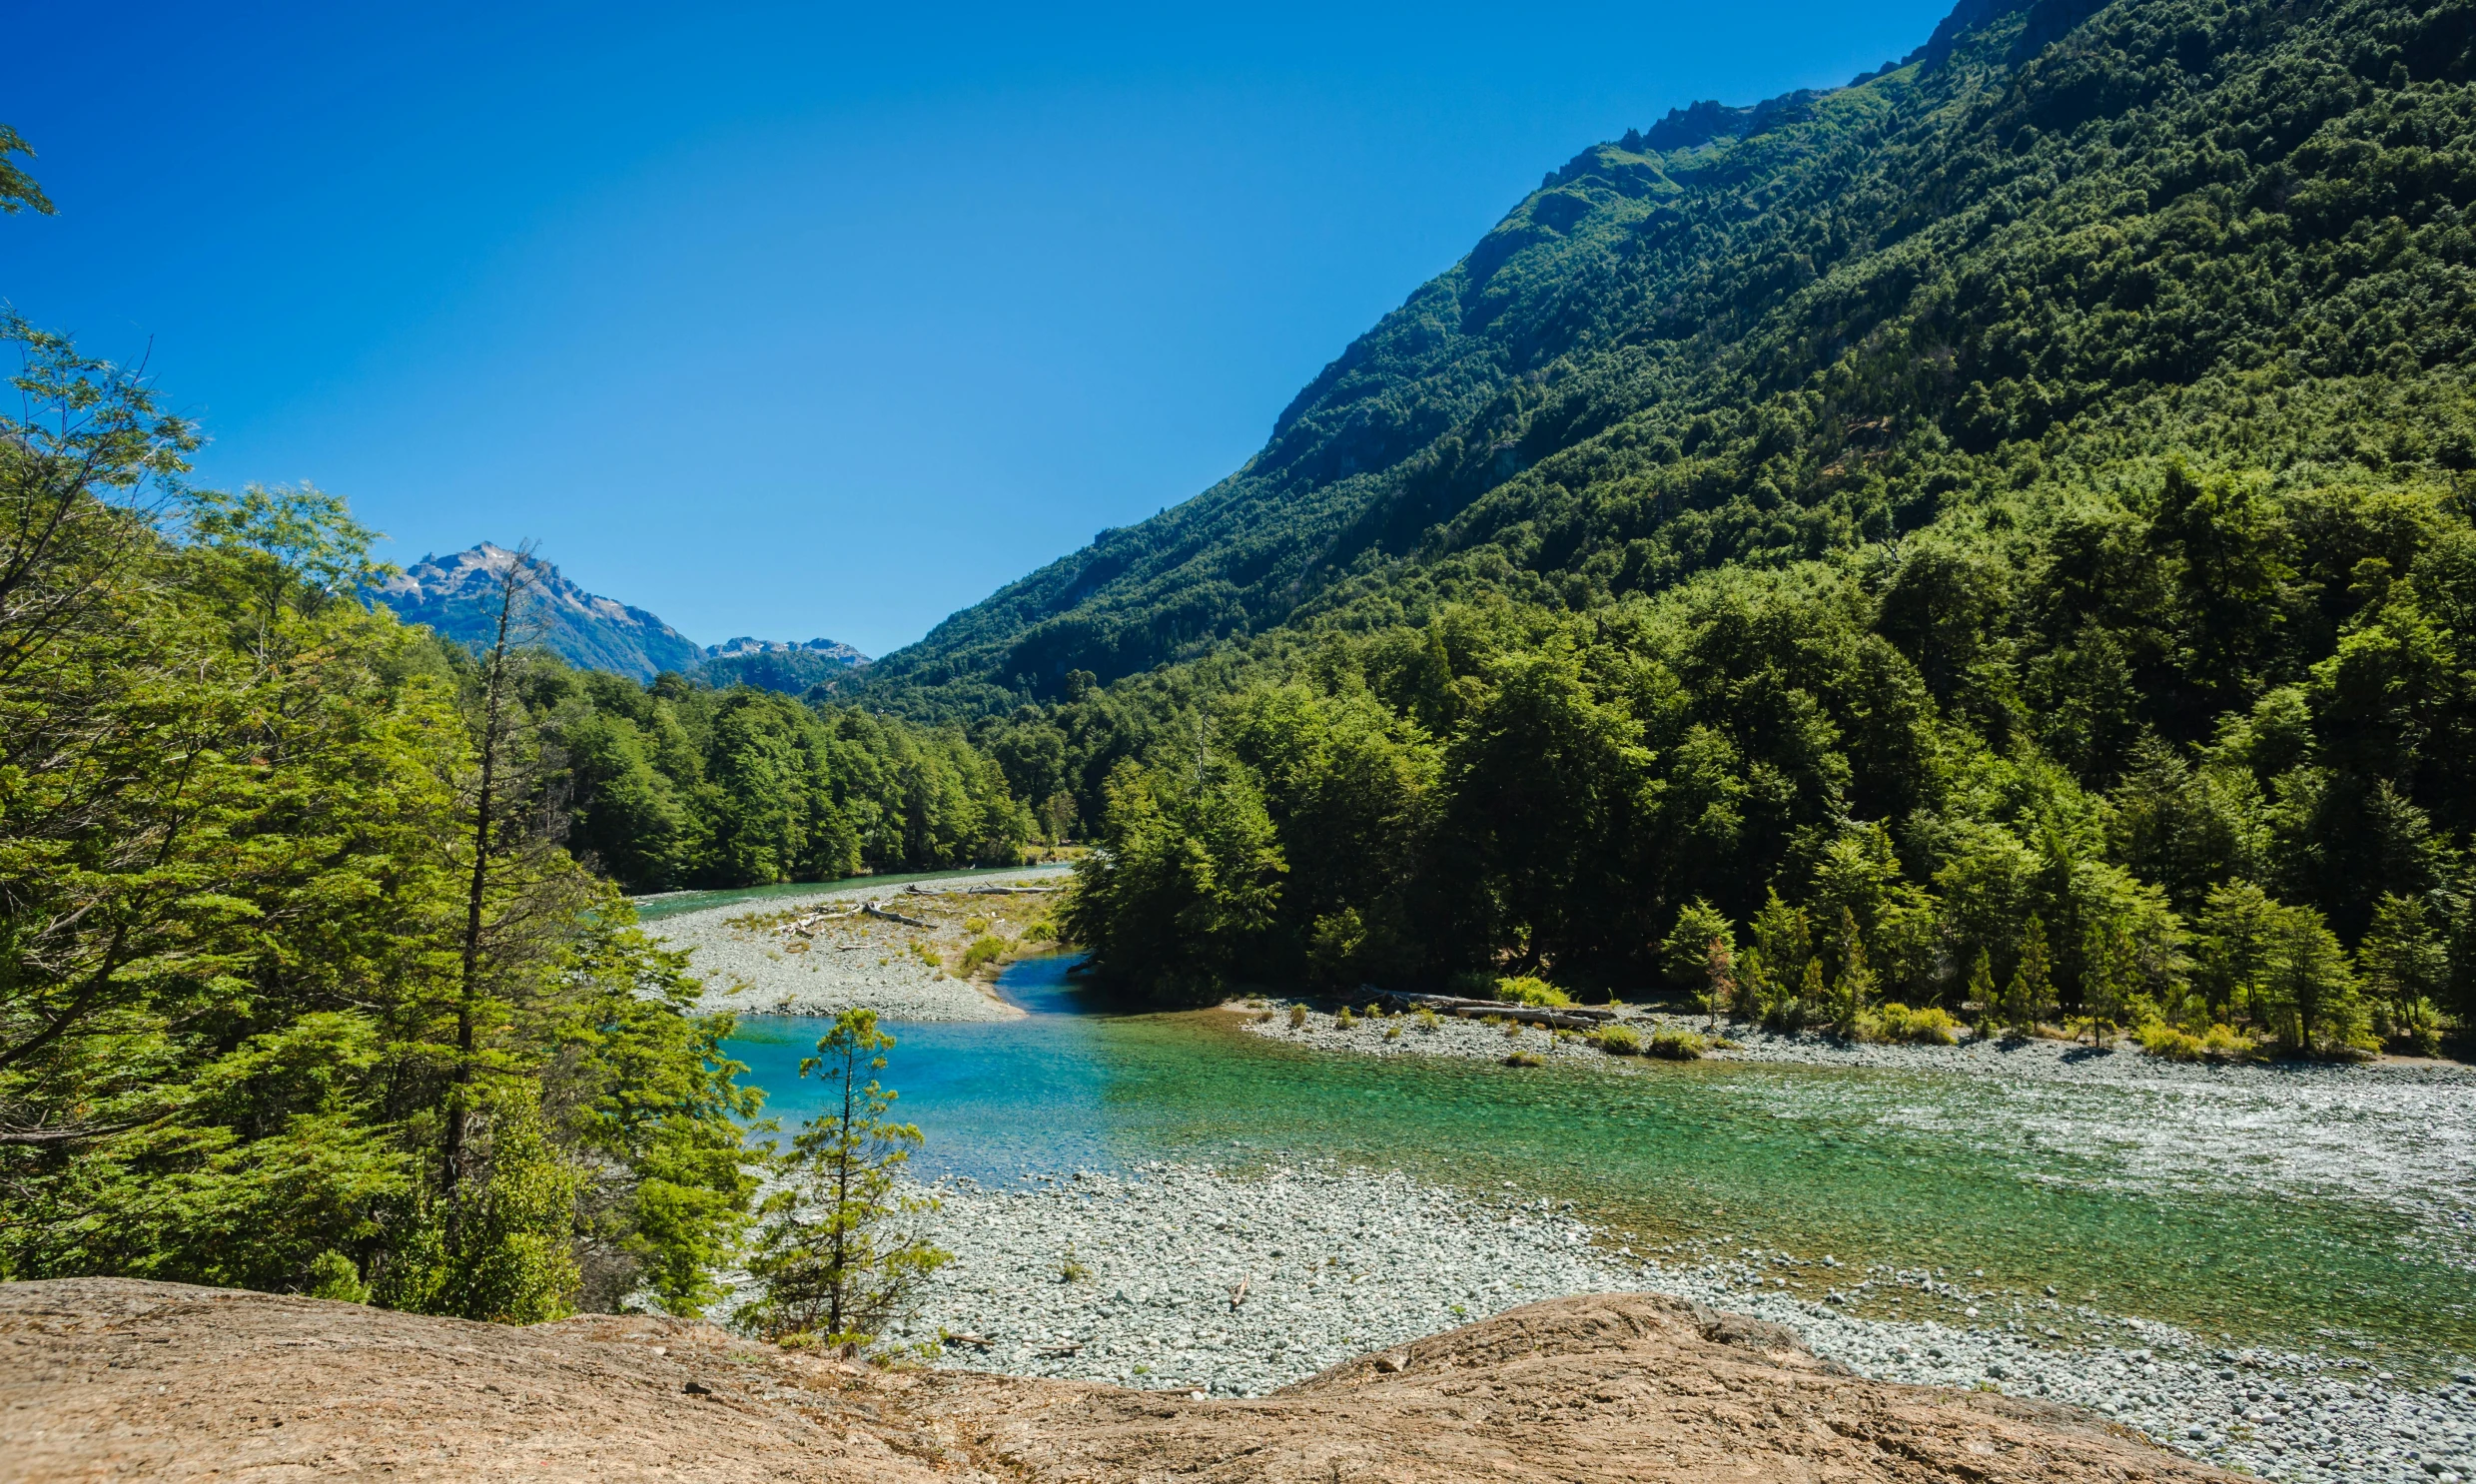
(801, 320)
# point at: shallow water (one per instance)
(2325, 1214)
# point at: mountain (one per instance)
(1993, 536)
(456, 596)
(2059, 236)
(774, 665)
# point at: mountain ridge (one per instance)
(1779, 267)
(456, 595)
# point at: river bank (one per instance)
(1136, 1280)
(752, 965)
(2048, 1060)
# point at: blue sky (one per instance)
(800, 321)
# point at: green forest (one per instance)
(1994, 537)
(317, 973)
(674, 784)
(1988, 535)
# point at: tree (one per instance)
(1718, 977)
(1853, 992)
(506, 873)
(1686, 952)
(838, 1256)
(2308, 992)
(2236, 925)
(1784, 949)
(508, 1257)
(17, 189)
(2028, 1000)
(1187, 884)
(2407, 970)
(1981, 991)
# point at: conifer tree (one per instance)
(1854, 992)
(1982, 989)
(838, 1257)
(2030, 999)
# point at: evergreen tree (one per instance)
(2028, 1000)
(2308, 991)
(2406, 969)
(836, 1257)
(1981, 991)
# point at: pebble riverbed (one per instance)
(1129, 1279)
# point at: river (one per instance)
(2326, 1213)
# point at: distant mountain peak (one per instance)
(456, 594)
(828, 649)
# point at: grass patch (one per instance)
(1677, 1046)
(2175, 1043)
(1528, 990)
(1932, 1026)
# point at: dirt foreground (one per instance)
(117, 1379)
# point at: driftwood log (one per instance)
(1561, 1017)
(873, 910)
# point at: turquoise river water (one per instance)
(2327, 1211)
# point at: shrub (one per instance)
(2175, 1043)
(1528, 990)
(1932, 1026)
(1043, 930)
(1427, 1021)
(1525, 1059)
(332, 1276)
(1345, 1019)
(1392, 1032)
(1677, 1046)
(975, 924)
(1298, 1015)
(981, 952)
(1619, 1041)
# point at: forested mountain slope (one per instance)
(2060, 240)
(1989, 535)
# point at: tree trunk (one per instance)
(469, 982)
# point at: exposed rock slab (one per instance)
(120, 1380)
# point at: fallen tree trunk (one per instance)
(1588, 1016)
(873, 910)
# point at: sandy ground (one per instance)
(104, 1378)
(752, 964)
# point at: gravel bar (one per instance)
(2014, 1059)
(1341, 1263)
(860, 961)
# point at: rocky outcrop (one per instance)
(115, 1378)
